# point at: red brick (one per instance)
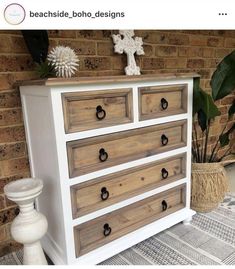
(13, 167)
(6, 180)
(94, 34)
(3, 233)
(105, 49)
(190, 52)
(8, 247)
(175, 63)
(148, 50)
(119, 62)
(18, 45)
(5, 81)
(221, 53)
(208, 52)
(9, 99)
(152, 63)
(10, 203)
(195, 63)
(2, 202)
(197, 40)
(178, 39)
(95, 63)
(153, 37)
(229, 43)
(8, 215)
(204, 73)
(62, 34)
(10, 117)
(12, 134)
(215, 42)
(10, 151)
(166, 51)
(227, 100)
(9, 63)
(80, 47)
(211, 63)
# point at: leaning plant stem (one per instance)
(202, 146)
(206, 140)
(227, 152)
(217, 142)
(197, 146)
(194, 148)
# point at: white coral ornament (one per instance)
(64, 60)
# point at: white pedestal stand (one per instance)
(30, 225)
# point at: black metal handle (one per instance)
(107, 229)
(164, 140)
(104, 194)
(164, 173)
(100, 113)
(164, 205)
(103, 155)
(164, 103)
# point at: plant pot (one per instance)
(209, 185)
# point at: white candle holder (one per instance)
(30, 225)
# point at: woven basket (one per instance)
(209, 185)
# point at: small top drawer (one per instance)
(96, 109)
(160, 101)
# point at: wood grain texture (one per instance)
(105, 79)
(89, 235)
(83, 155)
(150, 101)
(79, 109)
(86, 197)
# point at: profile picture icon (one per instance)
(14, 14)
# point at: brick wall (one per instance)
(165, 51)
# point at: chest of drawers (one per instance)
(115, 157)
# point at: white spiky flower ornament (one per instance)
(64, 61)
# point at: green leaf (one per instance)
(202, 101)
(196, 96)
(202, 120)
(224, 139)
(231, 109)
(45, 70)
(208, 106)
(223, 79)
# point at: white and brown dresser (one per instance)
(115, 157)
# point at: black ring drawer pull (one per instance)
(164, 140)
(104, 194)
(164, 205)
(164, 173)
(164, 104)
(107, 230)
(103, 156)
(100, 113)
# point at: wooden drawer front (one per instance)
(159, 101)
(90, 235)
(96, 109)
(101, 192)
(92, 154)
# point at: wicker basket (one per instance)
(209, 185)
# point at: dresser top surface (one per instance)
(105, 79)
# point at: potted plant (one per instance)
(209, 180)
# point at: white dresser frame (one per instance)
(46, 140)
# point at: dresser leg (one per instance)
(187, 221)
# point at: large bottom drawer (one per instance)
(102, 230)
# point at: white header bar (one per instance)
(119, 14)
